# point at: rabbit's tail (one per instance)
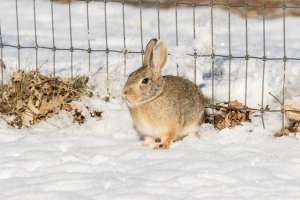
(208, 106)
(207, 100)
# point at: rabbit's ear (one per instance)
(160, 54)
(149, 52)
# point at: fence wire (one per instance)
(196, 55)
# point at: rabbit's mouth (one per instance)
(130, 96)
(131, 102)
(135, 103)
(125, 98)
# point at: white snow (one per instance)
(104, 159)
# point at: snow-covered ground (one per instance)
(103, 159)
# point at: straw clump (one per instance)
(230, 115)
(31, 97)
(292, 115)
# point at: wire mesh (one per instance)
(193, 5)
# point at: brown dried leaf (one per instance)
(97, 114)
(293, 113)
(28, 118)
(283, 132)
(54, 103)
(16, 122)
(32, 107)
(32, 97)
(78, 117)
(4, 107)
(235, 104)
(231, 115)
(17, 76)
(67, 107)
(292, 128)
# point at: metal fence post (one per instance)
(53, 39)
(194, 37)
(176, 32)
(125, 51)
(18, 34)
(141, 29)
(1, 57)
(264, 65)
(88, 33)
(71, 37)
(284, 59)
(229, 51)
(212, 55)
(106, 49)
(35, 36)
(246, 53)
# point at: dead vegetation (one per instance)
(234, 113)
(292, 115)
(229, 115)
(31, 97)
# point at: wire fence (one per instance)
(212, 5)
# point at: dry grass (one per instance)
(292, 115)
(229, 115)
(31, 97)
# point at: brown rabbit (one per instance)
(163, 108)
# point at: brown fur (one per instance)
(167, 107)
(168, 138)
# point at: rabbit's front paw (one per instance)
(149, 142)
(166, 141)
(162, 146)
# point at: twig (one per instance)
(276, 98)
(46, 81)
(248, 109)
(2, 65)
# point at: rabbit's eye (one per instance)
(145, 81)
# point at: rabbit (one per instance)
(163, 108)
